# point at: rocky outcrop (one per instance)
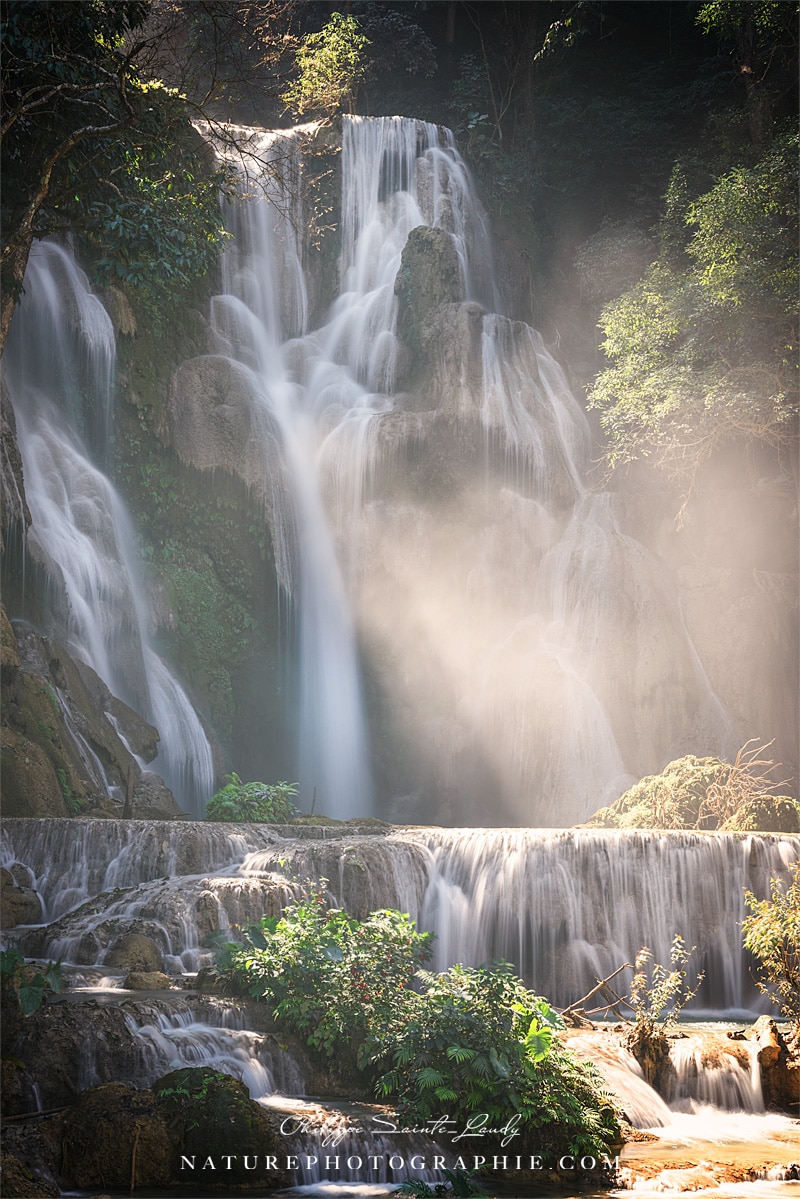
(64, 1047)
(779, 1064)
(120, 1138)
(430, 276)
(153, 800)
(13, 504)
(19, 903)
(66, 740)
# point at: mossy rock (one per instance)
(675, 799)
(212, 1115)
(671, 799)
(116, 1137)
(766, 814)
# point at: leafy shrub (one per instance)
(270, 803)
(707, 793)
(28, 984)
(658, 995)
(472, 1042)
(772, 934)
(477, 1043)
(332, 978)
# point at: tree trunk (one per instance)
(16, 260)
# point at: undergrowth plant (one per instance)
(333, 979)
(658, 994)
(270, 803)
(472, 1043)
(771, 933)
(30, 985)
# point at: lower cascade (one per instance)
(565, 907)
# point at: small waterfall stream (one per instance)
(59, 365)
(562, 906)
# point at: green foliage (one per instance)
(336, 980)
(658, 994)
(330, 64)
(270, 803)
(89, 146)
(470, 1042)
(707, 793)
(161, 227)
(30, 986)
(771, 933)
(476, 1042)
(457, 1182)
(704, 353)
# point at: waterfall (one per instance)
(564, 907)
(59, 365)
(423, 474)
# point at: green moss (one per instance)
(703, 793)
(671, 799)
(766, 814)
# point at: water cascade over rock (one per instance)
(562, 906)
(59, 368)
(421, 460)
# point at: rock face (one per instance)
(117, 1137)
(12, 487)
(19, 903)
(66, 1047)
(780, 1066)
(66, 740)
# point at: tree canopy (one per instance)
(703, 348)
(89, 144)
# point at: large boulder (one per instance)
(135, 952)
(117, 1137)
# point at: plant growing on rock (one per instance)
(747, 782)
(478, 1045)
(772, 934)
(334, 979)
(31, 986)
(658, 995)
(270, 803)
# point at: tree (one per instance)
(763, 37)
(88, 144)
(331, 65)
(703, 348)
(771, 933)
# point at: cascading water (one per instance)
(59, 365)
(422, 470)
(564, 907)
